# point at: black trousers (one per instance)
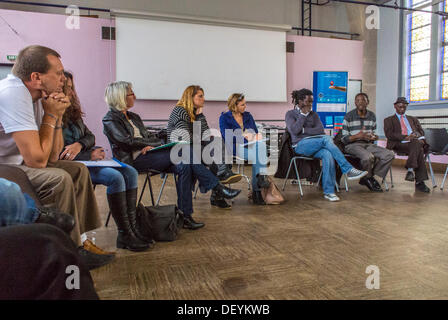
(33, 265)
(186, 175)
(416, 158)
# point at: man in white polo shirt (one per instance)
(31, 108)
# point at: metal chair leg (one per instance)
(150, 190)
(109, 214)
(108, 218)
(391, 178)
(248, 181)
(386, 186)
(444, 178)
(143, 191)
(431, 171)
(246, 177)
(384, 181)
(161, 188)
(287, 175)
(318, 179)
(298, 178)
(196, 191)
(147, 181)
(346, 184)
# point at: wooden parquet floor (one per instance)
(307, 248)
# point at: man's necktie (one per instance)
(404, 129)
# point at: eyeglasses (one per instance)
(241, 98)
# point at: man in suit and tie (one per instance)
(405, 135)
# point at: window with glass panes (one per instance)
(444, 54)
(419, 29)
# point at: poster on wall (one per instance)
(330, 97)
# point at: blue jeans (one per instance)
(116, 179)
(186, 175)
(324, 149)
(257, 155)
(16, 207)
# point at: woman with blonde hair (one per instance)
(121, 182)
(132, 144)
(187, 111)
(246, 142)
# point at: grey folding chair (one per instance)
(293, 161)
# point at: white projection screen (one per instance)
(162, 58)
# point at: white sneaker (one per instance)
(331, 197)
(355, 174)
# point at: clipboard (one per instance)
(110, 163)
(168, 145)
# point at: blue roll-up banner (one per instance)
(330, 97)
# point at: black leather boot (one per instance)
(219, 202)
(263, 181)
(126, 238)
(52, 216)
(189, 223)
(222, 191)
(257, 198)
(131, 200)
(225, 175)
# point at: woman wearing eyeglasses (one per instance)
(132, 144)
(239, 125)
(121, 182)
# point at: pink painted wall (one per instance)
(92, 61)
(311, 54)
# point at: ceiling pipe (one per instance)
(328, 31)
(395, 6)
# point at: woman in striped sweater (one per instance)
(188, 114)
(131, 143)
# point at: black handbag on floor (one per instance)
(161, 223)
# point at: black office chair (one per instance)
(437, 138)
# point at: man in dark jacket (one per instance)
(405, 135)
